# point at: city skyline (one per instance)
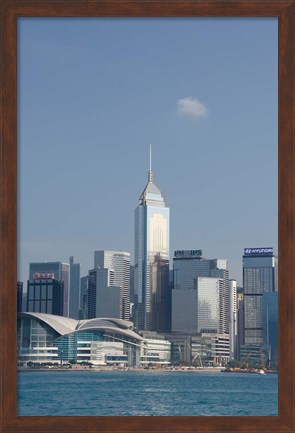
(204, 131)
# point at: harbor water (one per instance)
(152, 393)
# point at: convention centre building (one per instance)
(45, 338)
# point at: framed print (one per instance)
(86, 87)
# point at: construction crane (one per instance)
(247, 359)
(262, 359)
(180, 354)
(200, 359)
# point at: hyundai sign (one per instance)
(258, 251)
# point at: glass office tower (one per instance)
(208, 304)
(151, 267)
(189, 265)
(119, 263)
(259, 276)
(61, 272)
(45, 295)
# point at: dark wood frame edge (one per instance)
(12, 9)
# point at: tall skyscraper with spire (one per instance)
(151, 265)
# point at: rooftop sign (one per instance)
(188, 253)
(44, 275)
(258, 251)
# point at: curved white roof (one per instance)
(99, 321)
(62, 325)
(66, 325)
(126, 332)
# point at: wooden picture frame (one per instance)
(13, 9)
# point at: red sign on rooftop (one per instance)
(44, 275)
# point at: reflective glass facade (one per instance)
(36, 341)
(186, 269)
(46, 338)
(208, 312)
(259, 276)
(270, 326)
(151, 256)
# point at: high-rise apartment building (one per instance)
(151, 259)
(233, 319)
(188, 266)
(60, 272)
(119, 263)
(259, 276)
(74, 305)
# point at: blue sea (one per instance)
(152, 393)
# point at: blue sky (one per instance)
(94, 93)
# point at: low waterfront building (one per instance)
(180, 348)
(156, 350)
(200, 350)
(210, 349)
(46, 338)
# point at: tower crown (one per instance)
(151, 195)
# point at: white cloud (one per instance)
(191, 107)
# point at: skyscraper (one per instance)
(20, 295)
(119, 263)
(270, 326)
(151, 257)
(45, 294)
(188, 266)
(208, 304)
(83, 312)
(74, 304)
(60, 272)
(103, 297)
(259, 276)
(233, 324)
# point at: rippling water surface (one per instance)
(146, 393)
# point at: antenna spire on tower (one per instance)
(150, 157)
(150, 174)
